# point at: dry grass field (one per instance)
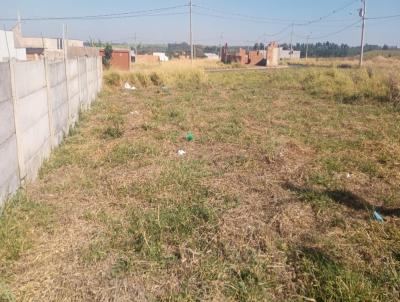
(273, 200)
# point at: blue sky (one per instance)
(267, 17)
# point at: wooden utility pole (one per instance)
(362, 15)
(191, 32)
(291, 41)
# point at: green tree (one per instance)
(108, 50)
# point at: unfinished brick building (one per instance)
(269, 57)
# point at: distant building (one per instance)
(162, 56)
(146, 59)
(289, 55)
(211, 56)
(121, 59)
(8, 49)
(37, 47)
(269, 57)
(257, 58)
(273, 54)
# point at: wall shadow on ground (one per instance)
(344, 197)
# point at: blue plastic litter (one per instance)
(378, 217)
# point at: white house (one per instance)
(287, 54)
(211, 56)
(162, 56)
(8, 49)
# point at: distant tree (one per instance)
(385, 47)
(108, 50)
(99, 43)
(256, 46)
(262, 46)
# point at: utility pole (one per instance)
(291, 42)
(221, 38)
(135, 47)
(19, 21)
(64, 41)
(362, 15)
(191, 32)
(308, 38)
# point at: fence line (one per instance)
(39, 102)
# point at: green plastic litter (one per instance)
(189, 137)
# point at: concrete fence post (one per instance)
(100, 71)
(87, 83)
(18, 134)
(67, 90)
(79, 83)
(49, 103)
(97, 76)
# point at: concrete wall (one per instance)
(8, 49)
(39, 102)
(9, 176)
(146, 59)
(286, 54)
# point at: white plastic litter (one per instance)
(128, 86)
(181, 153)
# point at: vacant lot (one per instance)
(273, 200)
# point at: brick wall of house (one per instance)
(121, 59)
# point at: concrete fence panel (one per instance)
(99, 67)
(59, 100)
(39, 102)
(84, 96)
(91, 78)
(74, 90)
(33, 117)
(9, 173)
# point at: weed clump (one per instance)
(18, 219)
(125, 152)
(393, 84)
(116, 129)
(173, 77)
(344, 85)
(113, 79)
(324, 279)
(156, 79)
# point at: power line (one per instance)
(291, 25)
(120, 15)
(233, 18)
(224, 12)
(259, 19)
(336, 32)
(335, 11)
(383, 17)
